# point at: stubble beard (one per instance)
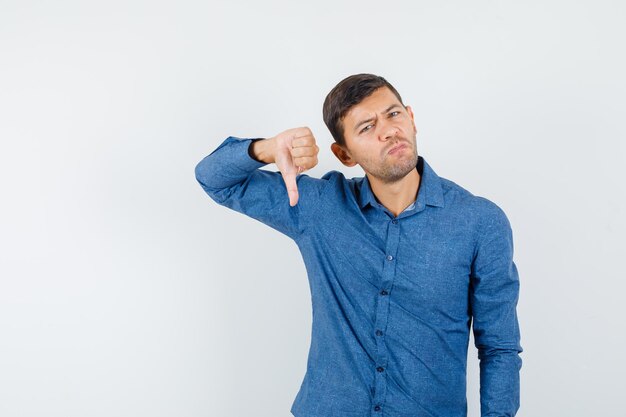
(390, 171)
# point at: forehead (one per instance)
(376, 102)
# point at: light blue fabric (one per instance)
(393, 298)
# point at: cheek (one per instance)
(375, 157)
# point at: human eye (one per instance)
(365, 129)
(392, 113)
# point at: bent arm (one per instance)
(494, 295)
(230, 175)
(227, 165)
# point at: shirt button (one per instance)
(389, 257)
(380, 369)
(377, 408)
(394, 221)
(383, 292)
(379, 332)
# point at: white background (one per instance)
(126, 291)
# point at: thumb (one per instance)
(292, 187)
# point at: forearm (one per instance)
(227, 165)
(497, 338)
(500, 383)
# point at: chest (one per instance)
(426, 256)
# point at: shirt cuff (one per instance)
(244, 159)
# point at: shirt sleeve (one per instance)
(493, 296)
(232, 178)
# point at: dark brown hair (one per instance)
(349, 92)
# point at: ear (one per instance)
(410, 111)
(342, 154)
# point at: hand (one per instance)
(295, 151)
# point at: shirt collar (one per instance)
(430, 191)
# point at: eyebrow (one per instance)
(373, 118)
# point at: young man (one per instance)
(399, 262)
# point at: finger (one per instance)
(302, 131)
(305, 161)
(303, 151)
(305, 140)
(292, 188)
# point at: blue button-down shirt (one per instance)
(393, 298)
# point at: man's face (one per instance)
(375, 126)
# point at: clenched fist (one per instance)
(293, 151)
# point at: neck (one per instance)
(396, 196)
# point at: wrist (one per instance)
(262, 150)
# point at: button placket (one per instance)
(382, 313)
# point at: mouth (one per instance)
(396, 148)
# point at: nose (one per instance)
(388, 131)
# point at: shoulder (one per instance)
(316, 187)
(334, 176)
(322, 182)
(337, 179)
(341, 190)
(484, 212)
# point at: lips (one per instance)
(397, 147)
